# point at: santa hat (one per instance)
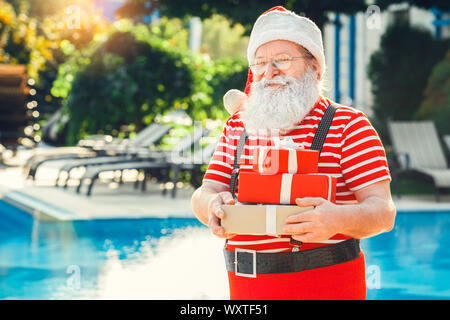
(280, 24)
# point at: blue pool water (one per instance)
(40, 260)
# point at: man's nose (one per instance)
(271, 71)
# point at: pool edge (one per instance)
(39, 209)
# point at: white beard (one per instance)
(273, 110)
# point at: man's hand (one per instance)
(215, 213)
(318, 224)
(373, 214)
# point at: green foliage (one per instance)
(41, 9)
(221, 39)
(171, 30)
(36, 33)
(399, 71)
(425, 4)
(406, 185)
(212, 80)
(229, 73)
(19, 41)
(436, 104)
(244, 12)
(127, 79)
(131, 74)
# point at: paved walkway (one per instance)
(109, 200)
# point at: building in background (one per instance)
(351, 40)
(109, 7)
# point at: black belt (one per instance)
(249, 263)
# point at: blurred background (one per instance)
(70, 69)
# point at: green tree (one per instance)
(229, 73)
(221, 39)
(42, 9)
(32, 33)
(172, 30)
(425, 4)
(244, 12)
(436, 103)
(127, 79)
(398, 72)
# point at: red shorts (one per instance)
(343, 281)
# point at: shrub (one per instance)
(399, 71)
(436, 104)
(122, 81)
(132, 74)
(221, 75)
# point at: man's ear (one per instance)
(315, 66)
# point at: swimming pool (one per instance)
(178, 258)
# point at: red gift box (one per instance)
(268, 160)
(284, 188)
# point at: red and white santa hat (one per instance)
(279, 23)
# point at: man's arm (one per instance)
(373, 214)
(206, 203)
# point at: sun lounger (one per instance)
(91, 143)
(192, 164)
(447, 141)
(125, 155)
(418, 151)
(142, 162)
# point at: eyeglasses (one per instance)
(281, 62)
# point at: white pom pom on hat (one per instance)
(234, 100)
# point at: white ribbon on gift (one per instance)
(262, 154)
(329, 188)
(292, 161)
(285, 198)
(287, 144)
(271, 219)
(286, 187)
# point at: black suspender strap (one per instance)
(322, 129)
(317, 144)
(237, 158)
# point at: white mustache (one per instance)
(280, 109)
(278, 80)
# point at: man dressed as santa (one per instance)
(283, 100)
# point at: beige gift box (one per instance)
(258, 219)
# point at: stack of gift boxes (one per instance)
(267, 193)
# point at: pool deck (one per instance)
(108, 200)
(112, 201)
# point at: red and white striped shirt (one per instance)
(352, 152)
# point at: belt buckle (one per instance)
(249, 275)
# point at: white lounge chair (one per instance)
(418, 150)
(447, 141)
(146, 137)
(148, 160)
